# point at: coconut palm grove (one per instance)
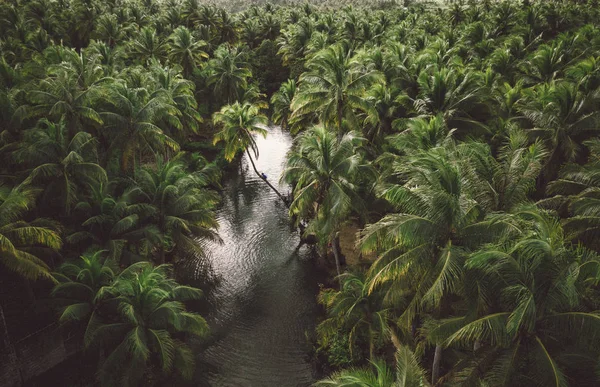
(443, 176)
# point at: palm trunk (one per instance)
(371, 342)
(266, 181)
(340, 133)
(336, 254)
(437, 360)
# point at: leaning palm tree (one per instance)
(140, 323)
(325, 174)
(334, 87)
(408, 373)
(240, 123)
(20, 241)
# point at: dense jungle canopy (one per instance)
(461, 138)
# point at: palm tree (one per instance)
(148, 45)
(334, 87)
(408, 373)
(240, 123)
(424, 244)
(63, 166)
(281, 102)
(578, 186)
(79, 283)
(21, 242)
(185, 50)
(180, 92)
(116, 224)
(228, 73)
(563, 118)
(505, 181)
(182, 206)
(144, 330)
(536, 285)
(355, 311)
(131, 116)
(61, 97)
(325, 174)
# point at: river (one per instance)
(264, 303)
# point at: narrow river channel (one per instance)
(264, 303)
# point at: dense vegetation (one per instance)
(461, 138)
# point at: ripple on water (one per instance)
(265, 301)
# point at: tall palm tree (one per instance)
(325, 174)
(21, 242)
(240, 124)
(61, 97)
(117, 224)
(228, 73)
(537, 288)
(423, 245)
(334, 87)
(180, 92)
(185, 50)
(505, 181)
(579, 186)
(142, 325)
(563, 118)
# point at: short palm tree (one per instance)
(281, 101)
(355, 311)
(142, 325)
(408, 373)
(20, 241)
(181, 206)
(240, 123)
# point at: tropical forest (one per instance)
(293, 193)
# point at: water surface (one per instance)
(264, 304)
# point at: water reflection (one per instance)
(263, 304)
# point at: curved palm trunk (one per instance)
(283, 199)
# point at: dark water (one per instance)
(264, 304)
